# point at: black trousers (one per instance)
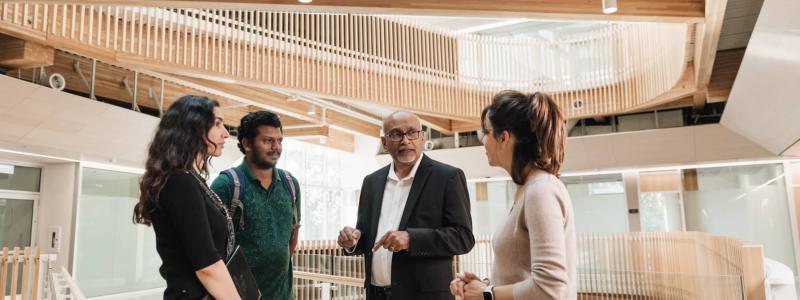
(379, 293)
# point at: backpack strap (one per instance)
(289, 182)
(237, 188)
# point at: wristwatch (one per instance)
(488, 294)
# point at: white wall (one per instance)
(649, 148)
(57, 208)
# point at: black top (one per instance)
(191, 234)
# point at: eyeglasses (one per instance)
(397, 136)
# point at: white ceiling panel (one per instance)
(764, 103)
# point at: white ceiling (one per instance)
(764, 103)
(740, 18)
(38, 119)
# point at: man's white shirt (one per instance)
(395, 196)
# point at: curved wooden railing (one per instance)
(393, 61)
(678, 265)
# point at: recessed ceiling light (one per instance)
(305, 1)
(609, 6)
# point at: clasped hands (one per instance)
(468, 286)
(393, 241)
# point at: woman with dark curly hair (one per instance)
(535, 252)
(194, 232)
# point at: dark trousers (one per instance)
(379, 293)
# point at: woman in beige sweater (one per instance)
(535, 247)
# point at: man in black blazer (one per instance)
(413, 217)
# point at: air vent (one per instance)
(576, 104)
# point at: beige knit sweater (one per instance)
(535, 247)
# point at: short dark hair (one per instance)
(248, 127)
(538, 125)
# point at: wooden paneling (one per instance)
(668, 181)
(16, 53)
(706, 42)
(21, 263)
(306, 131)
(726, 67)
(753, 266)
(690, 180)
(335, 139)
(459, 126)
(481, 191)
(439, 124)
(670, 10)
(110, 84)
(421, 72)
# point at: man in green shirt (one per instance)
(266, 212)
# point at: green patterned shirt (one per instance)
(267, 229)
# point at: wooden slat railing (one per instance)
(677, 265)
(21, 273)
(387, 60)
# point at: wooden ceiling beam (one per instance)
(339, 140)
(439, 124)
(110, 85)
(344, 122)
(298, 110)
(323, 136)
(707, 40)
(726, 67)
(461, 126)
(20, 54)
(653, 11)
(303, 132)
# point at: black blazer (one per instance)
(437, 219)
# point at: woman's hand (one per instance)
(474, 290)
(459, 285)
(457, 288)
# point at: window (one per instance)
(19, 191)
(112, 255)
(598, 202)
(744, 202)
(490, 203)
(19, 178)
(16, 222)
(327, 204)
(660, 201)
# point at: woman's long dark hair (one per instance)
(181, 137)
(538, 125)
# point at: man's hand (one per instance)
(348, 237)
(393, 241)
